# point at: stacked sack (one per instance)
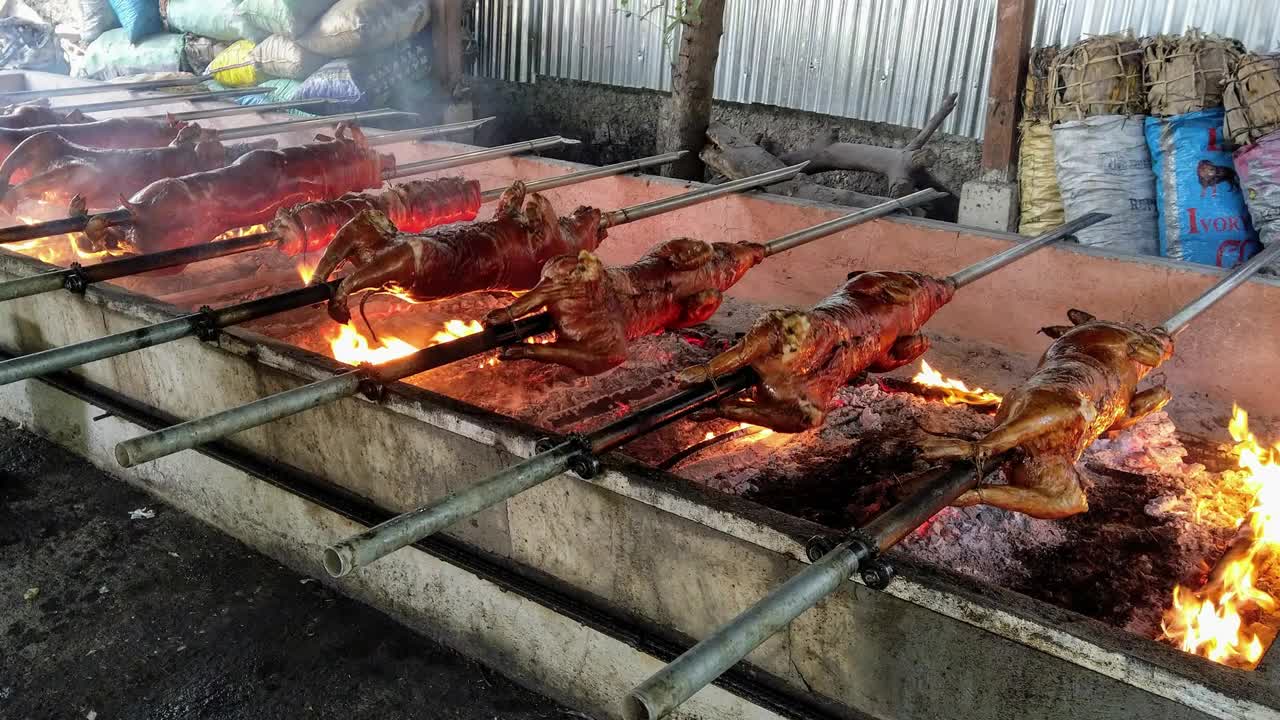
(1202, 213)
(1252, 97)
(1040, 201)
(1100, 153)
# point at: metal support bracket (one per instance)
(74, 280)
(206, 327)
(371, 386)
(584, 463)
(875, 570)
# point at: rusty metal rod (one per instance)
(706, 661)
(77, 279)
(202, 430)
(121, 216)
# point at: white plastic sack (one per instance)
(278, 56)
(1104, 166)
(217, 19)
(112, 55)
(359, 27)
(96, 17)
(290, 18)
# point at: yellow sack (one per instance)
(1039, 199)
(237, 53)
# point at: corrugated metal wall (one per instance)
(879, 60)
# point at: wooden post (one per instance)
(446, 27)
(1008, 72)
(683, 121)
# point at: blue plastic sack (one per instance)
(139, 18)
(1203, 217)
(387, 77)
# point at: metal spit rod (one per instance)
(444, 163)
(20, 95)
(121, 216)
(406, 529)
(304, 123)
(1220, 289)
(986, 266)
(657, 207)
(241, 110)
(706, 661)
(274, 407)
(165, 99)
(77, 279)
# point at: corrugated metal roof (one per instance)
(879, 60)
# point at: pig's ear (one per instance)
(1055, 331)
(1079, 317)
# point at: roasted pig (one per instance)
(182, 211)
(32, 114)
(49, 168)
(1086, 384)
(598, 310)
(412, 207)
(114, 133)
(803, 356)
(505, 253)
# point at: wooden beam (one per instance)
(1008, 72)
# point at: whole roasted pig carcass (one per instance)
(182, 211)
(412, 207)
(505, 253)
(598, 310)
(50, 168)
(803, 356)
(33, 114)
(1085, 385)
(114, 133)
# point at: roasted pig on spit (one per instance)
(50, 168)
(597, 310)
(1085, 385)
(411, 207)
(32, 114)
(505, 253)
(178, 212)
(114, 133)
(803, 357)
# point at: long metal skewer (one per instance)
(77, 278)
(274, 407)
(410, 527)
(20, 95)
(120, 216)
(242, 110)
(706, 661)
(207, 323)
(168, 99)
(249, 131)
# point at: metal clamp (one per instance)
(205, 325)
(75, 280)
(371, 386)
(875, 570)
(583, 463)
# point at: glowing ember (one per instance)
(455, 329)
(306, 272)
(757, 433)
(1211, 622)
(955, 392)
(353, 348)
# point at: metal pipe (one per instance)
(500, 151)
(173, 98)
(592, 174)
(200, 431)
(800, 237)
(61, 226)
(20, 95)
(68, 356)
(76, 278)
(656, 207)
(241, 110)
(446, 129)
(986, 266)
(304, 123)
(408, 528)
(706, 661)
(1220, 289)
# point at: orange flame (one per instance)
(59, 249)
(353, 348)
(955, 392)
(1211, 622)
(758, 433)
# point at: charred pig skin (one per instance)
(597, 311)
(505, 253)
(113, 133)
(1085, 385)
(802, 357)
(183, 211)
(48, 167)
(412, 207)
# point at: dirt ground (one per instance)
(108, 611)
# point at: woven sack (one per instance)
(1184, 73)
(1252, 98)
(1039, 88)
(1039, 199)
(1098, 76)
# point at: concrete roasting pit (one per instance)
(1070, 608)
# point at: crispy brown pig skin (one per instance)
(1085, 385)
(113, 133)
(505, 253)
(597, 310)
(803, 356)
